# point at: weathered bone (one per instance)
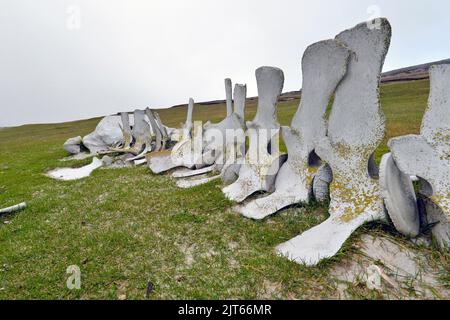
(160, 136)
(141, 130)
(214, 133)
(141, 134)
(107, 134)
(181, 155)
(73, 145)
(192, 173)
(225, 139)
(155, 129)
(222, 140)
(13, 209)
(193, 178)
(414, 155)
(140, 162)
(175, 134)
(260, 168)
(114, 134)
(428, 155)
(126, 130)
(229, 96)
(67, 174)
(164, 135)
(231, 122)
(229, 172)
(399, 197)
(324, 65)
(198, 181)
(356, 127)
(141, 155)
(240, 97)
(321, 183)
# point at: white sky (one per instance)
(66, 60)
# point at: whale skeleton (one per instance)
(327, 159)
(426, 156)
(355, 129)
(140, 139)
(182, 154)
(159, 138)
(324, 65)
(262, 160)
(221, 141)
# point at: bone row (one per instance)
(328, 158)
(132, 135)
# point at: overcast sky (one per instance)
(67, 60)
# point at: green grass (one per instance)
(127, 227)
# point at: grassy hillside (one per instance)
(127, 227)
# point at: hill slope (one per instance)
(418, 72)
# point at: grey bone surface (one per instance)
(399, 197)
(73, 145)
(240, 96)
(162, 128)
(427, 155)
(260, 168)
(126, 130)
(324, 64)
(12, 209)
(224, 141)
(355, 129)
(107, 134)
(181, 154)
(141, 132)
(155, 129)
(229, 96)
